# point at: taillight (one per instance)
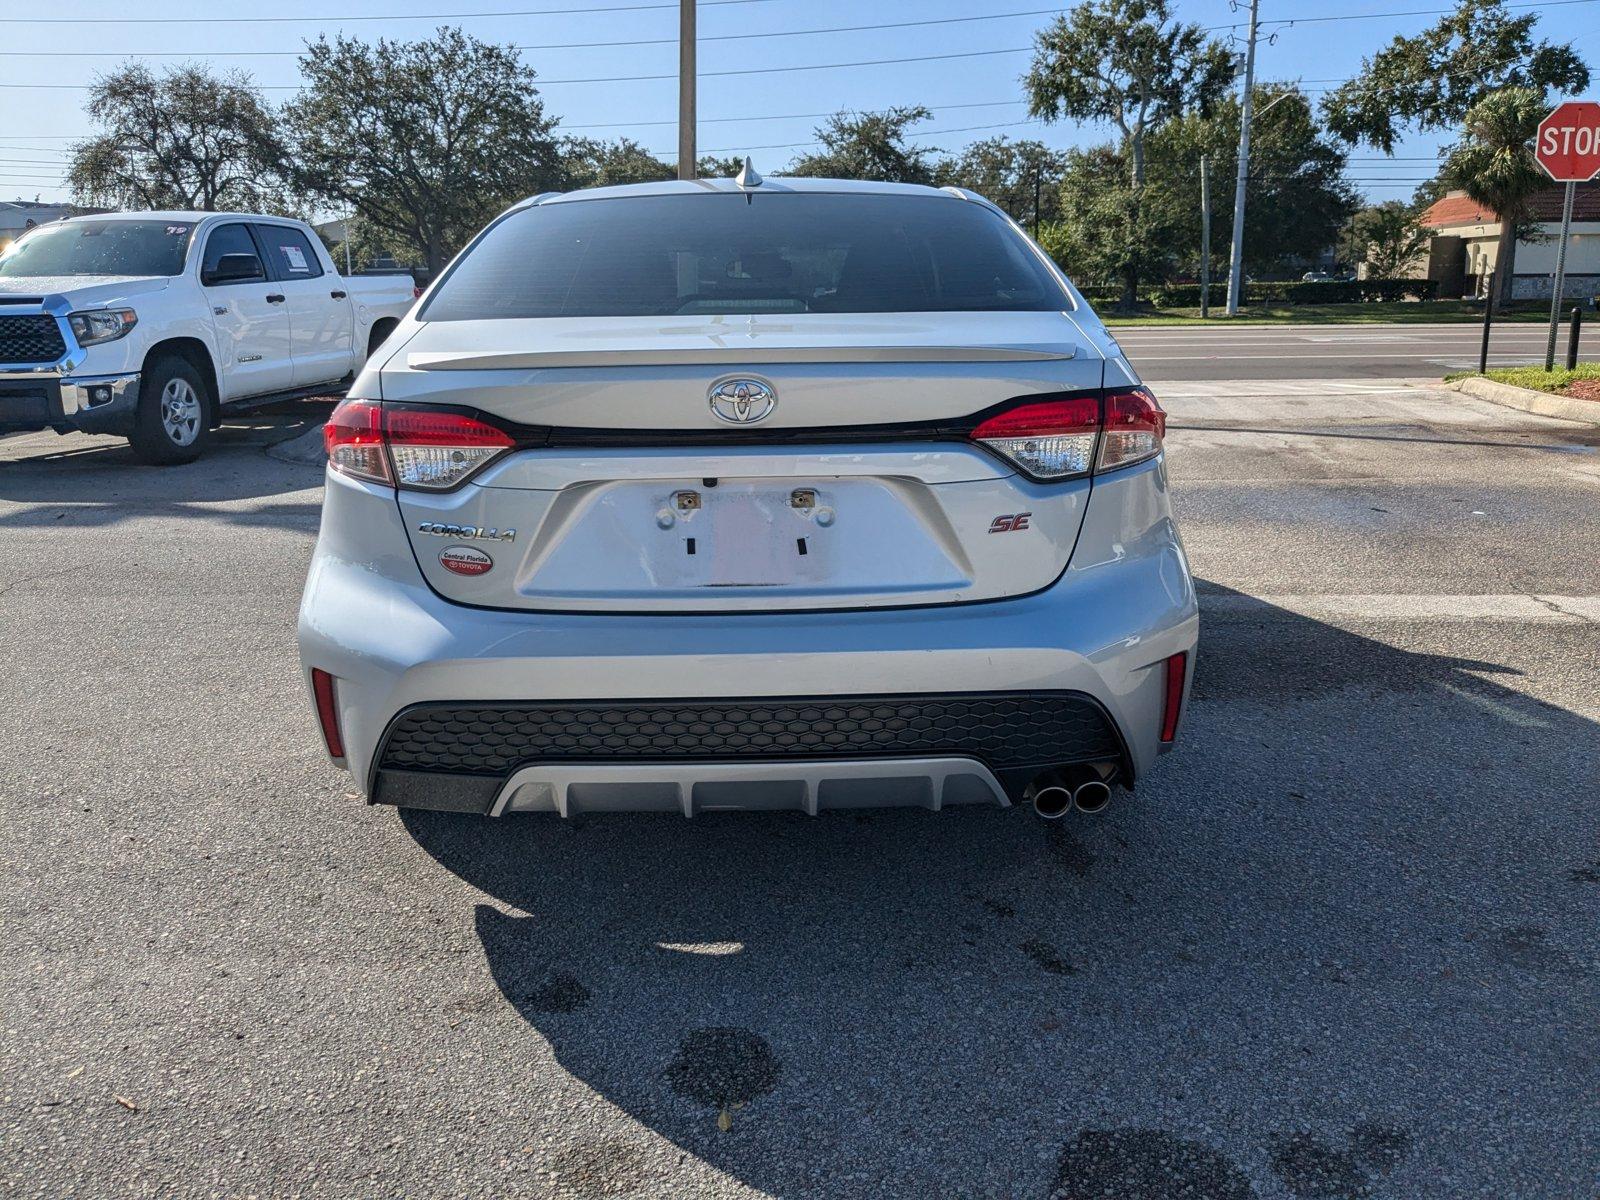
(1049, 439)
(410, 446)
(1134, 427)
(1056, 439)
(436, 449)
(353, 438)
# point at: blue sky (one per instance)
(763, 111)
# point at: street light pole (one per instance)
(686, 69)
(1205, 237)
(1236, 266)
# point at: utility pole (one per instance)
(1236, 265)
(686, 78)
(1205, 237)
(1038, 172)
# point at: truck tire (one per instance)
(172, 424)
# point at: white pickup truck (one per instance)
(151, 325)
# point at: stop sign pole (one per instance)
(1567, 146)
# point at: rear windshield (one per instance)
(99, 248)
(736, 253)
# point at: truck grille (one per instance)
(30, 339)
(1003, 731)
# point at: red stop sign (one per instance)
(1568, 143)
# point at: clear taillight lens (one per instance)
(1049, 439)
(1134, 427)
(353, 438)
(410, 446)
(435, 449)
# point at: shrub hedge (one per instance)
(1333, 291)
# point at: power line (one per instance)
(869, 62)
(661, 41)
(444, 16)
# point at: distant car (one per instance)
(1316, 277)
(150, 325)
(720, 494)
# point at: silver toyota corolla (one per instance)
(750, 494)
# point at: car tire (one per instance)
(172, 424)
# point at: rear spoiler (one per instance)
(524, 360)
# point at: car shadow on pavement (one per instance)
(79, 480)
(1340, 943)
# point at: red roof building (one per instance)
(1466, 240)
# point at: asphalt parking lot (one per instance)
(1344, 943)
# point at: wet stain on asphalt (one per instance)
(1067, 848)
(1150, 1164)
(721, 1067)
(1311, 1167)
(604, 1168)
(1047, 957)
(558, 992)
(1526, 947)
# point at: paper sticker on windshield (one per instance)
(296, 258)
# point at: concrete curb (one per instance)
(305, 449)
(1546, 404)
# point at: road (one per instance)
(1331, 351)
(1343, 943)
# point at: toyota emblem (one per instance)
(742, 401)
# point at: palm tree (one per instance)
(1494, 165)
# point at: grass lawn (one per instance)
(1401, 312)
(1537, 377)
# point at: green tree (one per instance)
(590, 163)
(1096, 200)
(1005, 171)
(182, 139)
(869, 145)
(712, 167)
(424, 141)
(1299, 199)
(1387, 237)
(1128, 64)
(1494, 164)
(1430, 80)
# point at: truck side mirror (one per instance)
(234, 268)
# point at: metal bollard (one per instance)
(1572, 337)
(1488, 316)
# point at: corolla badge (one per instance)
(742, 401)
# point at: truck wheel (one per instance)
(172, 425)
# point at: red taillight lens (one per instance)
(1049, 439)
(1135, 426)
(353, 438)
(1176, 666)
(437, 449)
(410, 446)
(327, 711)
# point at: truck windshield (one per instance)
(745, 254)
(99, 248)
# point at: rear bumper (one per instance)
(1094, 642)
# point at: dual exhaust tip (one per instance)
(1086, 787)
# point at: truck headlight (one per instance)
(102, 325)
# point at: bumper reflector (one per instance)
(327, 711)
(1176, 666)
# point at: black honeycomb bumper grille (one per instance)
(30, 338)
(1006, 732)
